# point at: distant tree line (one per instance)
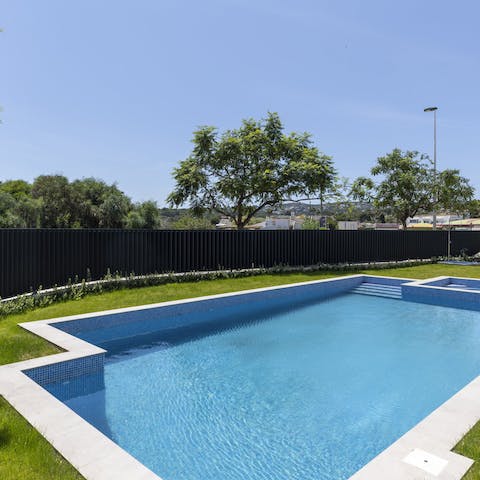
(52, 201)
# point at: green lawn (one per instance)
(24, 454)
(470, 447)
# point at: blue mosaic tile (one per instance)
(442, 296)
(61, 371)
(173, 316)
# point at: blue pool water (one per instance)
(310, 392)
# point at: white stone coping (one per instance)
(425, 284)
(97, 457)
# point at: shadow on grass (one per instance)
(5, 437)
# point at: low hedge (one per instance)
(79, 289)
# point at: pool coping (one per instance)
(426, 283)
(97, 457)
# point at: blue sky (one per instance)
(114, 88)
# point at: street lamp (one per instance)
(434, 110)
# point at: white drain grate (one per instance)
(426, 461)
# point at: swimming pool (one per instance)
(293, 385)
(298, 377)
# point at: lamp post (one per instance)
(434, 110)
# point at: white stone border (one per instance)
(97, 457)
(425, 284)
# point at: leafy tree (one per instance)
(29, 210)
(343, 206)
(473, 208)
(144, 215)
(318, 175)
(134, 219)
(16, 188)
(56, 200)
(408, 186)
(454, 191)
(24, 211)
(311, 224)
(150, 214)
(191, 222)
(242, 171)
(114, 210)
(363, 189)
(89, 194)
(8, 218)
(407, 183)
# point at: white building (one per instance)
(348, 225)
(225, 224)
(387, 226)
(443, 219)
(285, 222)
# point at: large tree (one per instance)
(98, 204)
(242, 171)
(408, 186)
(114, 210)
(454, 192)
(22, 211)
(144, 215)
(89, 194)
(55, 193)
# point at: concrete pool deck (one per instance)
(424, 452)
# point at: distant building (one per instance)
(353, 225)
(443, 219)
(225, 224)
(279, 222)
(256, 226)
(465, 224)
(387, 226)
(348, 225)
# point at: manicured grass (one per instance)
(469, 446)
(25, 454)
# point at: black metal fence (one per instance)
(45, 257)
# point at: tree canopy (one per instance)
(242, 171)
(454, 193)
(51, 201)
(408, 186)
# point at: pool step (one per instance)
(459, 285)
(377, 290)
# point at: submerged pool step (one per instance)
(378, 290)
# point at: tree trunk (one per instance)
(240, 224)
